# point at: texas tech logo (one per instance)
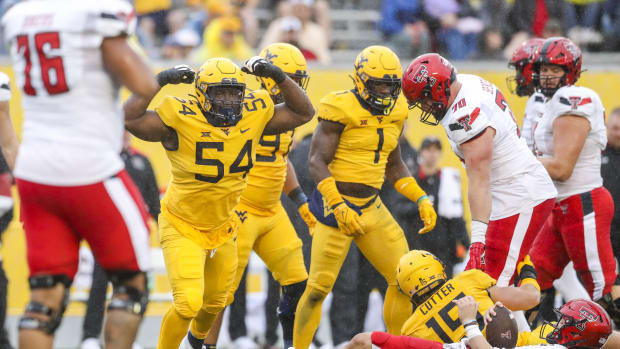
(586, 314)
(506, 335)
(421, 76)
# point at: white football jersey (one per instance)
(73, 122)
(518, 180)
(464, 344)
(581, 101)
(534, 109)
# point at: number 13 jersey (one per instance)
(210, 164)
(73, 123)
(517, 179)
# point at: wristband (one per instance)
(532, 282)
(478, 231)
(278, 76)
(472, 331)
(470, 323)
(409, 188)
(298, 196)
(422, 198)
(327, 187)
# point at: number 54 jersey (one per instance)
(518, 180)
(73, 122)
(210, 166)
(437, 319)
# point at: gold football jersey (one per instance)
(366, 140)
(266, 179)
(437, 319)
(210, 165)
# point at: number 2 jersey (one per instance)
(437, 319)
(366, 140)
(73, 122)
(518, 180)
(210, 165)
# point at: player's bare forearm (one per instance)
(569, 135)
(144, 124)
(523, 297)
(613, 341)
(296, 99)
(478, 154)
(8, 138)
(323, 148)
(295, 111)
(291, 179)
(396, 168)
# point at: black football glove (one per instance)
(259, 66)
(179, 74)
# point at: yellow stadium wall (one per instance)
(607, 84)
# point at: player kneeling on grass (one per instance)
(422, 277)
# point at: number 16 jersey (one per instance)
(73, 122)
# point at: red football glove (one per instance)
(476, 256)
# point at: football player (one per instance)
(510, 193)
(210, 138)
(354, 148)
(579, 227)
(265, 226)
(421, 276)
(70, 58)
(522, 84)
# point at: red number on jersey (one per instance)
(503, 105)
(47, 63)
(460, 104)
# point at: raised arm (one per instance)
(296, 109)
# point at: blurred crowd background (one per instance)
(194, 30)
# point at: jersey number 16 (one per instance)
(47, 63)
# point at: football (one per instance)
(502, 332)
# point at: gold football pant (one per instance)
(383, 244)
(274, 240)
(200, 280)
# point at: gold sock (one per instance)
(396, 310)
(307, 318)
(173, 329)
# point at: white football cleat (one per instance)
(245, 343)
(90, 343)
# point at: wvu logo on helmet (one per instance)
(288, 58)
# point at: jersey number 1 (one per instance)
(47, 63)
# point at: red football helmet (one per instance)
(562, 52)
(426, 84)
(582, 323)
(521, 83)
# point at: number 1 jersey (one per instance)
(73, 123)
(210, 164)
(437, 319)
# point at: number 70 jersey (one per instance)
(437, 319)
(73, 123)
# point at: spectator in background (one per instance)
(455, 26)
(312, 37)
(610, 163)
(403, 27)
(582, 17)
(610, 23)
(320, 14)
(223, 38)
(180, 44)
(153, 17)
(449, 240)
(141, 172)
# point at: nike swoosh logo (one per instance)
(244, 131)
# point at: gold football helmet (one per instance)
(220, 88)
(288, 58)
(377, 65)
(419, 274)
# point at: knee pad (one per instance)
(290, 298)
(126, 297)
(51, 324)
(322, 282)
(188, 302)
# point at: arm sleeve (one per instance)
(329, 110)
(168, 111)
(572, 100)
(5, 87)
(467, 124)
(114, 18)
